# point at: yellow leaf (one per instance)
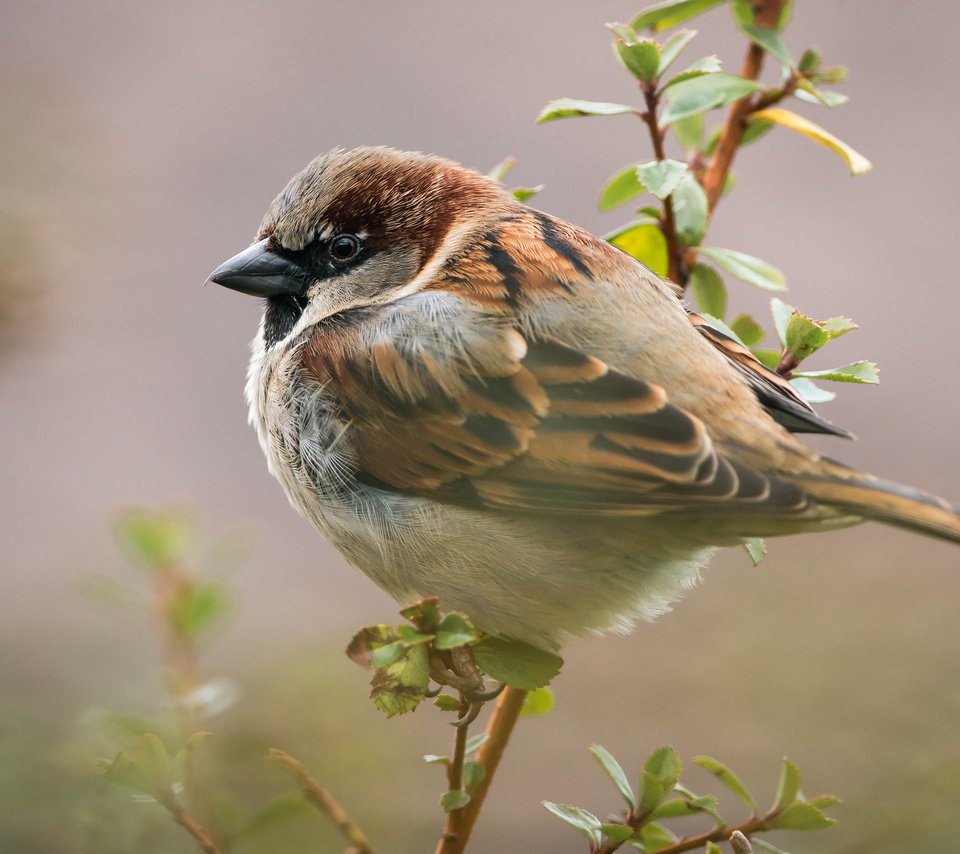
(855, 160)
(646, 243)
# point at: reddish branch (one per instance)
(766, 14)
(499, 729)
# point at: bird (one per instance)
(478, 401)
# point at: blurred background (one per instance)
(141, 145)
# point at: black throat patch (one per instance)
(281, 315)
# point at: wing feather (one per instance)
(522, 423)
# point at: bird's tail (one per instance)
(837, 486)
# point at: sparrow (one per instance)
(475, 400)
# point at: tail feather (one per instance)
(884, 501)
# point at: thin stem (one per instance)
(188, 823)
(321, 798)
(499, 729)
(766, 13)
(182, 673)
(675, 267)
(452, 826)
(755, 824)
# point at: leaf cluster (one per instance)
(659, 797)
(449, 649)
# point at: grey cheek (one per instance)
(384, 272)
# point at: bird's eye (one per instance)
(343, 247)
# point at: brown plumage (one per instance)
(476, 400)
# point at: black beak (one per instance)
(260, 272)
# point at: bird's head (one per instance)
(356, 228)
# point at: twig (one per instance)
(188, 823)
(676, 271)
(451, 827)
(766, 13)
(321, 798)
(182, 674)
(499, 729)
(755, 824)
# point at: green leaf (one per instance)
(856, 372)
(401, 686)
(645, 242)
(519, 664)
(689, 132)
(804, 336)
(728, 778)
(538, 702)
(473, 774)
(154, 538)
(435, 759)
(742, 12)
(475, 742)
(770, 41)
(857, 163)
(423, 614)
(617, 833)
(763, 845)
(802, 816)
(713, 848)
(664, 763)
(368, 640)
(411, 637)
(446, 703)
(197, 608)
(751, 270)
(524, 194)
(811, 392)
(810, 60)
(822, 802)
(655, 837)
(661, 177)
(756, 548)
(615, 772)
(705, 92)
(751, 133)
(620, 188)
(565, 108)
(641, 57)
(672, 47)
(178, 764)
(667, 14)
(707, 65)
(502, 169)
(770, 358)
(682, 807)
(720, 326)
(455, 629)
(690, 209)
(789, 786)
(650, 792)
(454, 800)
(806, 91)
(708, 289)
(748, 330)
(143, 767)
(781, 312)
(584, 822)
(837, 74)
(384, 656)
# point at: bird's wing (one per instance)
(778, 397)
(470, 410)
